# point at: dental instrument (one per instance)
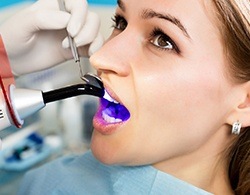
(72, 43)
(25, 102)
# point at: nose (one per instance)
(113, 57)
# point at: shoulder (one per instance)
(86, 175)
(71, 173)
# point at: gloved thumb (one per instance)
(79, 11)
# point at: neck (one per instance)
(205, 168)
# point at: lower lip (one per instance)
(104, 127)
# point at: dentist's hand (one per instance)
(36, 39)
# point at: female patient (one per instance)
(178, 76)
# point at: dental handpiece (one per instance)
(28, 101)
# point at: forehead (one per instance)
(192, 14)
(182, 8)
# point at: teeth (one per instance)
(109, 98)
(110, 119)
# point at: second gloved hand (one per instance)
(36, 39)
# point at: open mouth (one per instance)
(113, 111)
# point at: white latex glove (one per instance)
(36, 38)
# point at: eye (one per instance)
(119, 22)
(163, 41)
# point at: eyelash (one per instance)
(156, 33)
(117, 19)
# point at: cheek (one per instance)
(177, 114)
(181, 101)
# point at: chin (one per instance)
(104, 157)
(103, 150)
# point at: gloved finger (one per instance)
(44, 4)
(89, 31)
(96, 44)
(89, 49)
(78, 11)
(49, 20)
(65, 43)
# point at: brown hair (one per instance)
(234, 24)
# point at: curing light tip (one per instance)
(92, 86)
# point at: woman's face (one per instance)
(164, 62)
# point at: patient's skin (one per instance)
(164, 62)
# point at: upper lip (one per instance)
(112, 93)
(108, 89)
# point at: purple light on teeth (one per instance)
(114, 110)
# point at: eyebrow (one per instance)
(148, 14)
